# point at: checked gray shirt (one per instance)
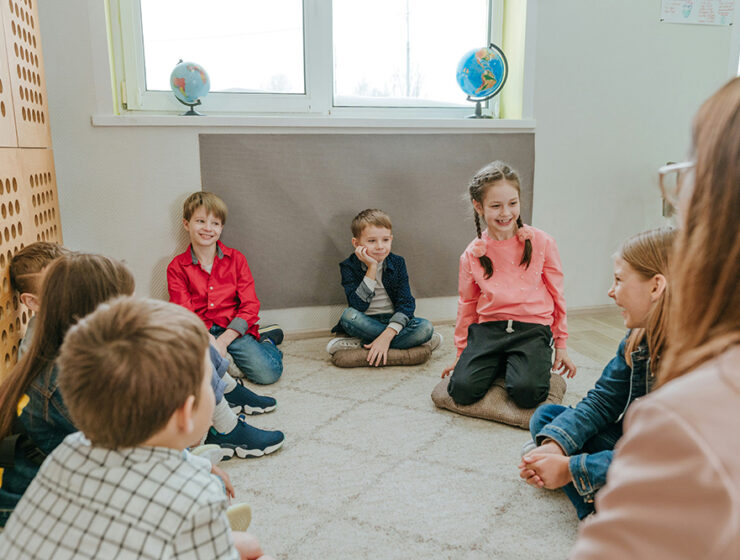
(142, 502)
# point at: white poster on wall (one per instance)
(702, 12)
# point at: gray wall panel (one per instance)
(292, 197)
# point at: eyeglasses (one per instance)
(672, 178)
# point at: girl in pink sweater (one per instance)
(511, 307)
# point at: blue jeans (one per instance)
(368, 327)
(260, 362)
(590, 466)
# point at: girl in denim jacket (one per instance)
(30, 401)
(575, 445)
(511, 306)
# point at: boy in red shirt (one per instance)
(214, 281)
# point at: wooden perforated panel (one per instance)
(25, 66)
(29, 206)
(29, 212)
(14, 212)
(8, 135)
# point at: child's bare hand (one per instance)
(221, 346)
(528, 474)
(552, 470)
(379, 348)
(563, 364)
(361, 252)
(248, 546)
(449, 369)
(219, 472)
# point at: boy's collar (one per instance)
(219, 252)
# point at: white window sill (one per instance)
(345, 124)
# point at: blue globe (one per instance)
(189, 82)
(481, 73)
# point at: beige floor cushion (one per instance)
(496, 404)
(357, 357)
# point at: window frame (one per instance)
(131, 97)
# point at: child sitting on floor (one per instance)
(381, 308)
(33, 416)
(573, 447)
(125, 486)
(511, 305)
(214, 281)
(26, 272)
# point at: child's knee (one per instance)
(463, 391)
(425, 329)
(349, 316)
(526, 394)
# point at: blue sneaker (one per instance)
(246, 441)
(241, 399)
(273, 333)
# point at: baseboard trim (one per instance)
(576, 311)
(440, 311)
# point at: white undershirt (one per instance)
(381, 303)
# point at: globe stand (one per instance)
(192, 111)
(478, 108)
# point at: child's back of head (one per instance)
(27, 264)
(130, 370)
(126, 368)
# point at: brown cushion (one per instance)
(496, 404)
(357, 357)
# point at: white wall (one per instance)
(614, 93)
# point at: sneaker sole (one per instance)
(245, 453)
(250, 411)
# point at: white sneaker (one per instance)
(212, 452)
(232, 370)
(528, 447)
(435, 341)
(343, 343)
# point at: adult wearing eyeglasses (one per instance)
(673, 490)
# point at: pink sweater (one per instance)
(532, 295)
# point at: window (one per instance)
(302, 56)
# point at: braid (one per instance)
(527, 253)
(485, 261)
(490, 174)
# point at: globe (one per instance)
(481, 73)
(189, 82)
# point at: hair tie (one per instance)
(525, 233)
(478, 249)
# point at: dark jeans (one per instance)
(590, 463)
(523, 356)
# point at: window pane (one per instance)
(252, 46)
(404, 52)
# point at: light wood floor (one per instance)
(596, 334)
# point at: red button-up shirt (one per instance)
(225, 297)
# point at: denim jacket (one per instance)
(602, 408)
(47, 422)
(395, 282)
